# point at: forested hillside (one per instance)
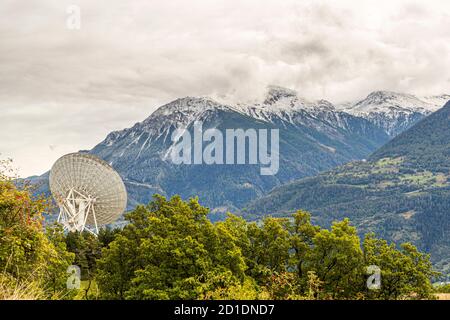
(402, 192)
(171, 250)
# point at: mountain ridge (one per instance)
(128, 150)
(394, 112)
(315, 136)
(402, 192)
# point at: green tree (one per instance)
(302, 234)
(87, 250)
(116, 268)
(169, 250)
(337, 260)
(27, 254)
(107, 235)
(58, 259)
(268, 252)
(405, 273)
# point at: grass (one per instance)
(92, 291)
(389, 162)
(12, 289)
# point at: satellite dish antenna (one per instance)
(88, 191)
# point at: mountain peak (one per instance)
(426, 144)
(437, 100)
(380, 97)
(283, 99)
(393, 111)
(390, 102)
(384, 94)
(275, 93)
(188, 104)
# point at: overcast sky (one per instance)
(62, 90)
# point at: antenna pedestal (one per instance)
(75, 210)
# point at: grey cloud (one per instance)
(70, 88)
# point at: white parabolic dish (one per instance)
(88, 191)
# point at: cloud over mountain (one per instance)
(69, 88)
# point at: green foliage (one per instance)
(88, 291)
(58, 259)
(402, 192)
(404, 272)
(170, 250)
(301, 238)
(106, 236)
(248, 289)
(314, 286)
(28, 256)
(116, 267)
(269, 248)
(87, 249)
(442, 288)
(337, 260)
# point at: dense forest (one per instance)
(171, 250)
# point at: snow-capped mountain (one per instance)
(395, 112)
(383, 101)
(386, 194)
(437, 101)
(158, 127)
(283, 103)
(314, 136)
(285, 106)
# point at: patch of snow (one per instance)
(390, 103)
(437, 101)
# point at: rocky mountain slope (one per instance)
(395, 112)
(314, 136)
(402, 192)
